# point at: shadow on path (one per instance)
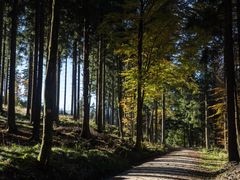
(182, 164)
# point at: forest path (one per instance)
(182, 164)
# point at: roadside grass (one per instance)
(213, 160)
(20, 162)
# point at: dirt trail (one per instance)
(182, 164)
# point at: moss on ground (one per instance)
(213, 160)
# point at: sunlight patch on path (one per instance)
(183, 164)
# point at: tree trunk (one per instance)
(138, 144)
(163, 118)
(120, 96)
(65, 87)
(225, 131)
(74, 83)
(2, 3)
(35, 66)
(206, 106)
(113, 99)
(156, 121)
(50, 88)
(58, 86)
(85, 127)
(237, 87)
(3, 67)
(151, 124)
(230, 81)
(79, 88)
(11, 96)
(100, 89)
(38, 110)
(30, 69)
(6, 83)
(97, 89)
(103, 90)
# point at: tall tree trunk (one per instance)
(97, 89)
(113, 99)
(58, 86)
(85, 127)
(79, 87)
(206, 101)
(3, 67)
(103, 90)
(65, 87)
(2, 3)
(151, 124)
(156, 121)
(11, 96)
(108, 108)
(74, 83)
(50, 88)
(120, 96)
(138, 144)
(225, 131)
(163, 118)
(6, 83)
(35, 64)
(190, 139)
(237, 87)
(230, 81)
(36, 121)
(72, 101)
(30, 70)
(100, 88)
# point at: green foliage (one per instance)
(175, 138)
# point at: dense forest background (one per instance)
(160, 72)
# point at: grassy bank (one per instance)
(213, 160)
(102, 156)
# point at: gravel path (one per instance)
(182, 164)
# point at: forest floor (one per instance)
(102, 156)
(186, 164)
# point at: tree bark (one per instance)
(3, 67)
(58, 86)
(163, 118)
(85, 127)
(36, 121)
(156, 121)
(230, 83)
(30, 71)
(151, 124)
(138, 144)
(50, 88)
(35, 65)
(2, 3)
(113, 99)
(74, 83)
(120, 96)
(6, 83)
(206, 125)
(78, 87)
(103, 90)
(100, 89)
(11, 96)
(65, 87)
